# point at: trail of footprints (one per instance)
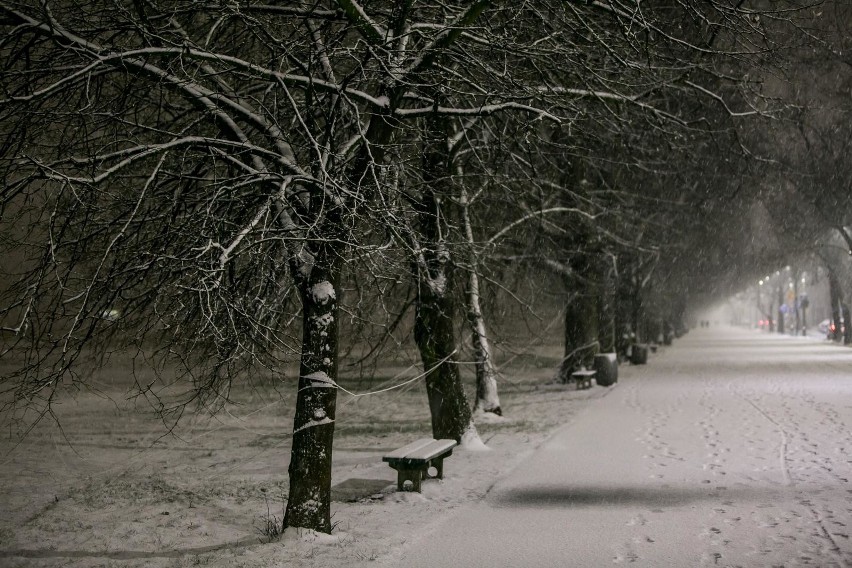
(817, 529)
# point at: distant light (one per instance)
(761, 282)
(803, 280)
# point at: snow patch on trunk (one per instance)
(323, 292)
(324, 320)
(320, 379)
(438, 284)
(313, 424)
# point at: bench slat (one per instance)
(421, 450)
(431, 450)
(405, 450)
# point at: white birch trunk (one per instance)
(487, 398)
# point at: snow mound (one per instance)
(296, 535)
(406, 497)
(471, 441)
(481, 417)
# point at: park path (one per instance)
(730, 448)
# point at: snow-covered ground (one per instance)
(731, 448)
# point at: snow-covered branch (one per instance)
(535, 215)
(484, 110)
(444, 39)
(358, 16)
(721, 100)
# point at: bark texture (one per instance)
(434, 334)
(836, 295)
(582, 317)
(308, 503)
(487, 396)
(434, 330)
(606, 303)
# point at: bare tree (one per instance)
(197, 175)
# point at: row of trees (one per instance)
(804, 204)
(225, 181)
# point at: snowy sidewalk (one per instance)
(731, 448)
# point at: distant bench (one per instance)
(412, 462)
(583, 378)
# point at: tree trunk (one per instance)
(796, 304)
(434, 334)
(308, 503)
(434, 330)
(606, 304)
(582, 318)
(487, 398)
(624, 307)
(769, 316)
(835, 293)
(636, 310)
(780, 309)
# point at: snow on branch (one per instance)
(604, 6)
(358, 16)
(133, 155)
(445, 38)
(533, 215)
(588, 93)
(721, 100)
(559, 268)
(225, 257)
(211, 100)
(80, 314)
(483, 110)
(135, 57)
(303, 12)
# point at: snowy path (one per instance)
(730, 448)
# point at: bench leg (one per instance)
(413, 475)
(438, 464)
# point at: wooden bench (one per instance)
(412, 462)
(583, 378)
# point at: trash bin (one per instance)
(606, 366)
(639, 354)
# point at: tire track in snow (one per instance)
(834, 548)
(785, 439)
